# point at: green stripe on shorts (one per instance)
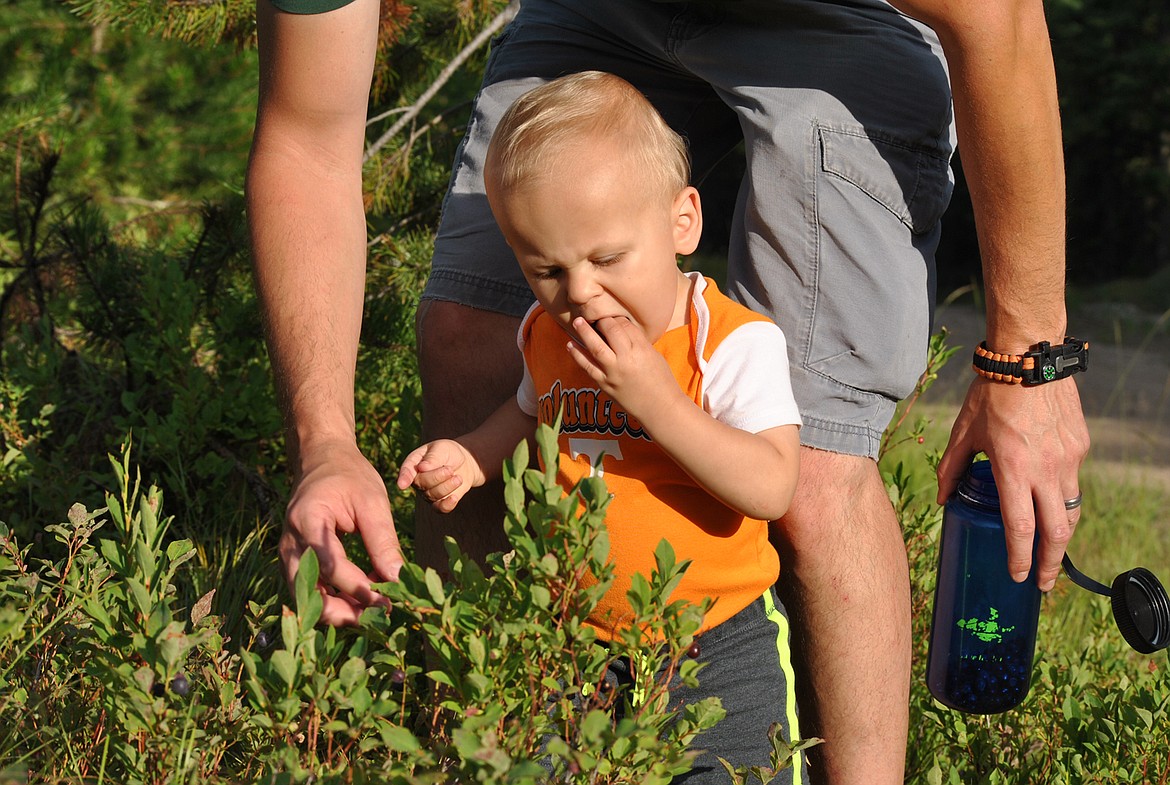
(785, 654)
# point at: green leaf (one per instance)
(514, 496)
(352, 673)
(289, 629)
(400, 739)
(180, 551)
(310, 612)
(145, 557)
(361, 700)
(111, 551)
(435, 586)
(546, 442)
(594, 725)
(140, 594)
(476, 652)
(541, 596)
(285, 666)
(480, 684)
(149, 519)
(440, 677)
(639, 594)
(308, 573)
(534, 483)
(664, 557)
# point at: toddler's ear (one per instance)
(688, 221)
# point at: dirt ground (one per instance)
(1125, 392)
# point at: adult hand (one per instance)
(1036, 439)
(339, 492)
(443, 470)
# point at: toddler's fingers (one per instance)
(449, 502)
(585, 362)
(437, 483)
(591, 339)
(409, 469)
(444, 494)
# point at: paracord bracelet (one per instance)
(1045, 363)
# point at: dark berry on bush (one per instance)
(158, 690)
(694, 651)
(180, 685)
(262, 641)
(398, 676)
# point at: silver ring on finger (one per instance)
(1074, 502)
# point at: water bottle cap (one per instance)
(978, 486)
(1141, 609)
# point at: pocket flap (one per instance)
(910, 180)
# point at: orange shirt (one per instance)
(729, 360)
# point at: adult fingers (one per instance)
(1058, 516)
(343, 592)
(954, 462)
(1018, 510)
(376, 525)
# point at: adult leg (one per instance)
(470, 311)
(845, 112)
(846, 585)
(469, 365)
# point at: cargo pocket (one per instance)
(911, 181)
(879, 200)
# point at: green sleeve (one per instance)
(309, 6)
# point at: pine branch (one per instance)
(445, 75)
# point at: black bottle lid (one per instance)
(1141, 610)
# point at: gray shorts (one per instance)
(845, 113)
(747, 664)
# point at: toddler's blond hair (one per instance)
(556, 116)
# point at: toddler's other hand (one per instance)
(442, 470)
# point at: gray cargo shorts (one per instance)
(845, 114)
(747, 664)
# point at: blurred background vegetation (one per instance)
(126, 307)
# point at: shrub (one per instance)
(490, 676)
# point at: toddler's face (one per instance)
(593, 243)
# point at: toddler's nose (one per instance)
(581, 288)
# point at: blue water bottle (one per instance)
(983, 633)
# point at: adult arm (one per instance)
(1008, 124)
(308, 233)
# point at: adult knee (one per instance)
(838, 498)
(468, 363)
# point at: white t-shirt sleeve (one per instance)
(746, 382)
(526, 394)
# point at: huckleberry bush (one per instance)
(489, 675)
